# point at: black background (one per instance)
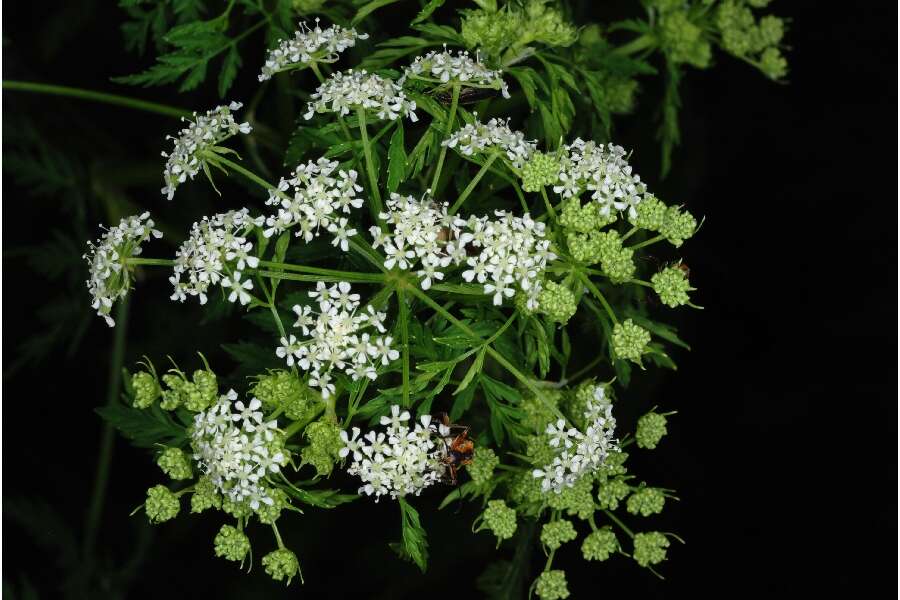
(783, 451)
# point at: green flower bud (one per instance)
(537, 412)
(683, 41)
(282, 389)
(551, 585)
(525, 492)
(521, 302)
(612, 492)
(646, 501)
(161, 505)
(772, 63)
(269, 513)
(583, 219)
(205, 496)
(544, 23)
(758, 3)
(672, 286)
(616, 262)
(771, 30)
(491, 32)
(678, 226)
(541, 170)
(557, 302)
(238, 510)
(484, 461)
(172, 397)
(600, 544)
(146, 389)
(651, 213)
(500, 519)
(650, 548)
(629, 341)
(203, 393)
(281, 564)
(613, 466)
(231, 544)
(585, 248)
(650, 429)
(556, 533)
(175, 463)
(539, 450)
(576, 500)
(620, 92)
(324, 445)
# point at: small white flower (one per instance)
(308, 46)
(353, 90)
(239, 290)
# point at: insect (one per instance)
(467, 95)
(684, 269)
(459, 450)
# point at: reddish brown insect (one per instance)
(459, 451)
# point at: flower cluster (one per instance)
(236, 449)
(109, 275)
(216, 253)
(577, 452)
(399, 461)
(336, 338)
(309, 45)
(447, 67)
(477, 138)
(603, 171)
(203, 132)
(361, 90)
(513, 250)
(318, 193)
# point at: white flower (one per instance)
(309, 45)
(446, 67)
(477, 138)
(202, 133)
(215, 247)
(288, 349)
(602, 170)
(109, 276)
(342, 233)
(352, 90)
(401, 461)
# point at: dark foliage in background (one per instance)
(783, 447)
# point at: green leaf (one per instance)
(396, 159)
(320, 498)
(468, 488)
(669, 133)
(462, 402)
(476, 367)
(367, 9)
(432, 6)
(145, 428)
(414, 545)
(252, 359)
(229, 71)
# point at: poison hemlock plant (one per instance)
(470, 249)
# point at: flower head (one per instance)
(202, 133)
(360, 90)
(309, 46)
(478, 138)
(110, 276)
(444, 67)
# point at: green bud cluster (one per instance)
(196, 395)
(578, 218)
(650, 430)
(646, 501)
(556, 533)
(650, 548)
(672, 286)
(269, 513)
(484, 461)
(175, 463)
(629, 341)
(539, 450)
(600, 544)
(756, 41)
(525, 492)
(537, 411)
(146, 389)
(576, 500)
(161, 505)
(616, 262)
(231, 544)
(514, 27)
(489, 31)
(651, 214)
(500, 519)
(683, 40)
(584, 247)
(324, 444)
(238, 510)
(541, 170)
(611, 492)
(205, 496)
(678, 226)
(306, 7)
(281, 564)
(557, 302)
(613, 467)
(551, 585)
(284, 390)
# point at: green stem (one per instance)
(315, 278)
(652, 240)
(104, 459)
(296, 426)
(82, 94)
(629, 233)
(465, 193)
(150, 262)
(596, 292)
(331, 274)
(374, 277)
(245, 172)
(636, 45)
(403, 316)
(450, 118)
(616, 520)
(375, 205)
(587, 368)
(547, 203)
(641, 282)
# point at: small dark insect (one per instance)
(466, 95)
(684, 269)
(459, 451)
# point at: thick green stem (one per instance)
(636, 45)
(403, 316)
(375, 204)
(245, 172)
(465, 193)
(597, 294)
(547, 204)
(296, 426)
(618, 522)
(61, 90)
(331, 274)
(447, 127)
(652, 240)
(104, 459)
